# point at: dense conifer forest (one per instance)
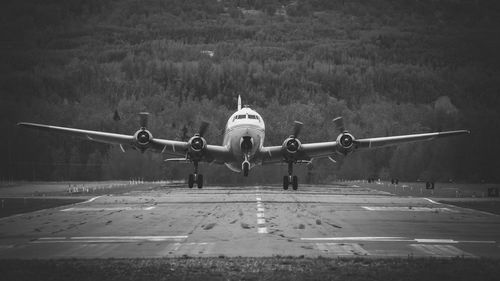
(389, 67)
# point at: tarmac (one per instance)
(341, 220)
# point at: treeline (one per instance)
(390, 67)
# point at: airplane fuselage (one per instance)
(244, 136)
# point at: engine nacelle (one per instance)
(142, 138)
(345, 143)
(197, 144)
(291, 146)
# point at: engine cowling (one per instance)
(143, 138)
(345, 143)
(197, 144)
(291, 145)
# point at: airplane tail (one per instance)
(239, 102)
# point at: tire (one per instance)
(191, 180)
(245, 170)
(295, 183)
(285, 182)
(199, 182)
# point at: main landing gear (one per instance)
(290, 179)
(195, 178)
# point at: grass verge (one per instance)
(275, 268)
(12, 206)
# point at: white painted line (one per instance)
(258, 199)
(129, 237)
(261, 221)
(260, 209)
(91, 199)
(441, 250)
(98, 209)
(409, 209)
(479, 242)
(260, 215)
(342, 249)
(432, 201)
(386, 239)
(107, 239)
(446, 241)
(262, 230)
(259, 205)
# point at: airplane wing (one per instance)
(394, 140)
(308, 151)
(213, 153)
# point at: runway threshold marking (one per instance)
(441, 250)
(342, 249)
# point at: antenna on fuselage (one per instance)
(239, 102)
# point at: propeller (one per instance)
(339, 124)
(143, 136)
(297, 126)
(345, 139)
(197, 141)
(143, 119)
(292, 144)
(203, 128)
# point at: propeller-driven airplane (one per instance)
(243, 144)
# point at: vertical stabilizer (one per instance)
(239, 102)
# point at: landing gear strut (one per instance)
(195, 178)
(290, 179)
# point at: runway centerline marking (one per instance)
(261, 221)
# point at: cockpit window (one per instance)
(252, 117)
(241, 116)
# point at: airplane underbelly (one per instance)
(244, 140)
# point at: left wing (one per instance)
(293, 151)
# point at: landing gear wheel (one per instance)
(199, 181)
(191, 180)
(295, 183)
(245, 169)
(285, 182)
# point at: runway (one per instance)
(258, 221)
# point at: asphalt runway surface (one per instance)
(257, 221)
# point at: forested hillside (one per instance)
(389, 67)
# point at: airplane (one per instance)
(243, 144)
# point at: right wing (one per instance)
(212, 153)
